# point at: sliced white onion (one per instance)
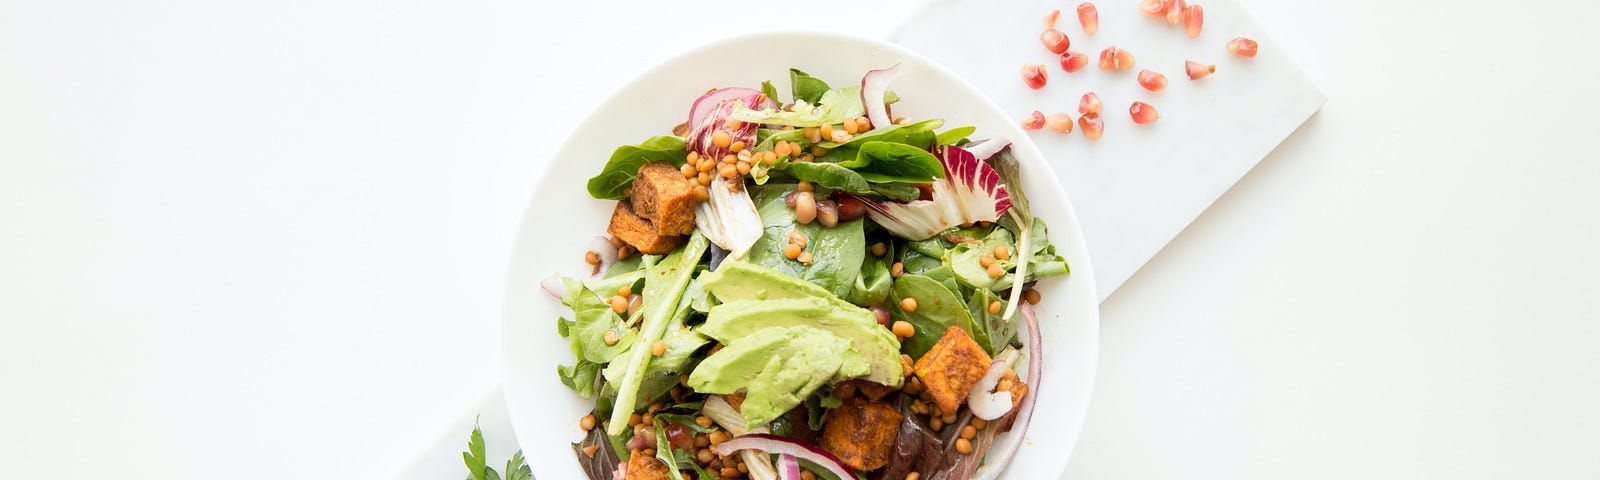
(607, 251)
(998, 461)
(731, 420)
(776, 445)
(554, 286)
(983, 149)
(873, 86)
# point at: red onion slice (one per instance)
(790, 467)
(703, 106)
(776, 445)
(607, 251)
(554, 286)
(873, 86)
(983, 149)
(1000, 460)
(986, 403)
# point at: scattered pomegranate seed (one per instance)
(1243, 47)
(1090, 103)
(1113, 58)
(1197, 70)
(1054, 40)
(1152, 81)
(1193, 17)
(1092, 125)
(1050, 20)
(1089, 17)
(1173, 9)
(1154, 8)
(1034, 121)
(1035, 76)
(1143, 113)
(1073, 61)
(1059, 123)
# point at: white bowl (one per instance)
(561, 219)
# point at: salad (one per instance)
(802, 289)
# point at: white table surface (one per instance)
(257, 239)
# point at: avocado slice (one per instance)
(739, 319)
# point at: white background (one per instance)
(267, 239)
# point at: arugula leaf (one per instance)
(806, 87)
(579, 377)
(771, 91)
(951, 136)
(616, 178)
(663, 292)
(937, 310)
(884, 162)
(829, 175)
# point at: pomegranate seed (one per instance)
(1193, 17)
(1152, 81)
(1243, 47)
(1056, 41)
(1034, 121)
(1073, 61)
(1143, 113)
(1198, 71)
(1089, 17)
(1113, 58)
(1059, 123)
(1092, 125)
(1090, 103)
(1050, 20)
(1153, 8)
(1035, 76)
(1173, 9)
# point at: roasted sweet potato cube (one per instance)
(662, 196)
(639, 232)
(951, 368)
(645, 467)
(858, 386)
(861, 433)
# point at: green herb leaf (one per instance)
(884, 162)
(951, 136)
(771, 91)
(806, 87)
(616, 179)
(829, 175)
(898, 192)
(937, 310)
(474, 456)
(517, 468)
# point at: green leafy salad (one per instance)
(804, 286)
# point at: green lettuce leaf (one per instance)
(616, 178)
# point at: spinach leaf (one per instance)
(829, 175)
(795, 136)
(836, 252)
(918, 134)
(951, 136)
(806, 87)
(593, 318)
(916, 262)
(996, 332)
(771, 91)
(898, 192)
(668, 455)
(616, 178)
(937, 310)
(873, 285)
(883, 162)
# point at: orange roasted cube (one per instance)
(645, 467)
(861, 433)
(662, 196)
(951, 368)
(639, 232)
